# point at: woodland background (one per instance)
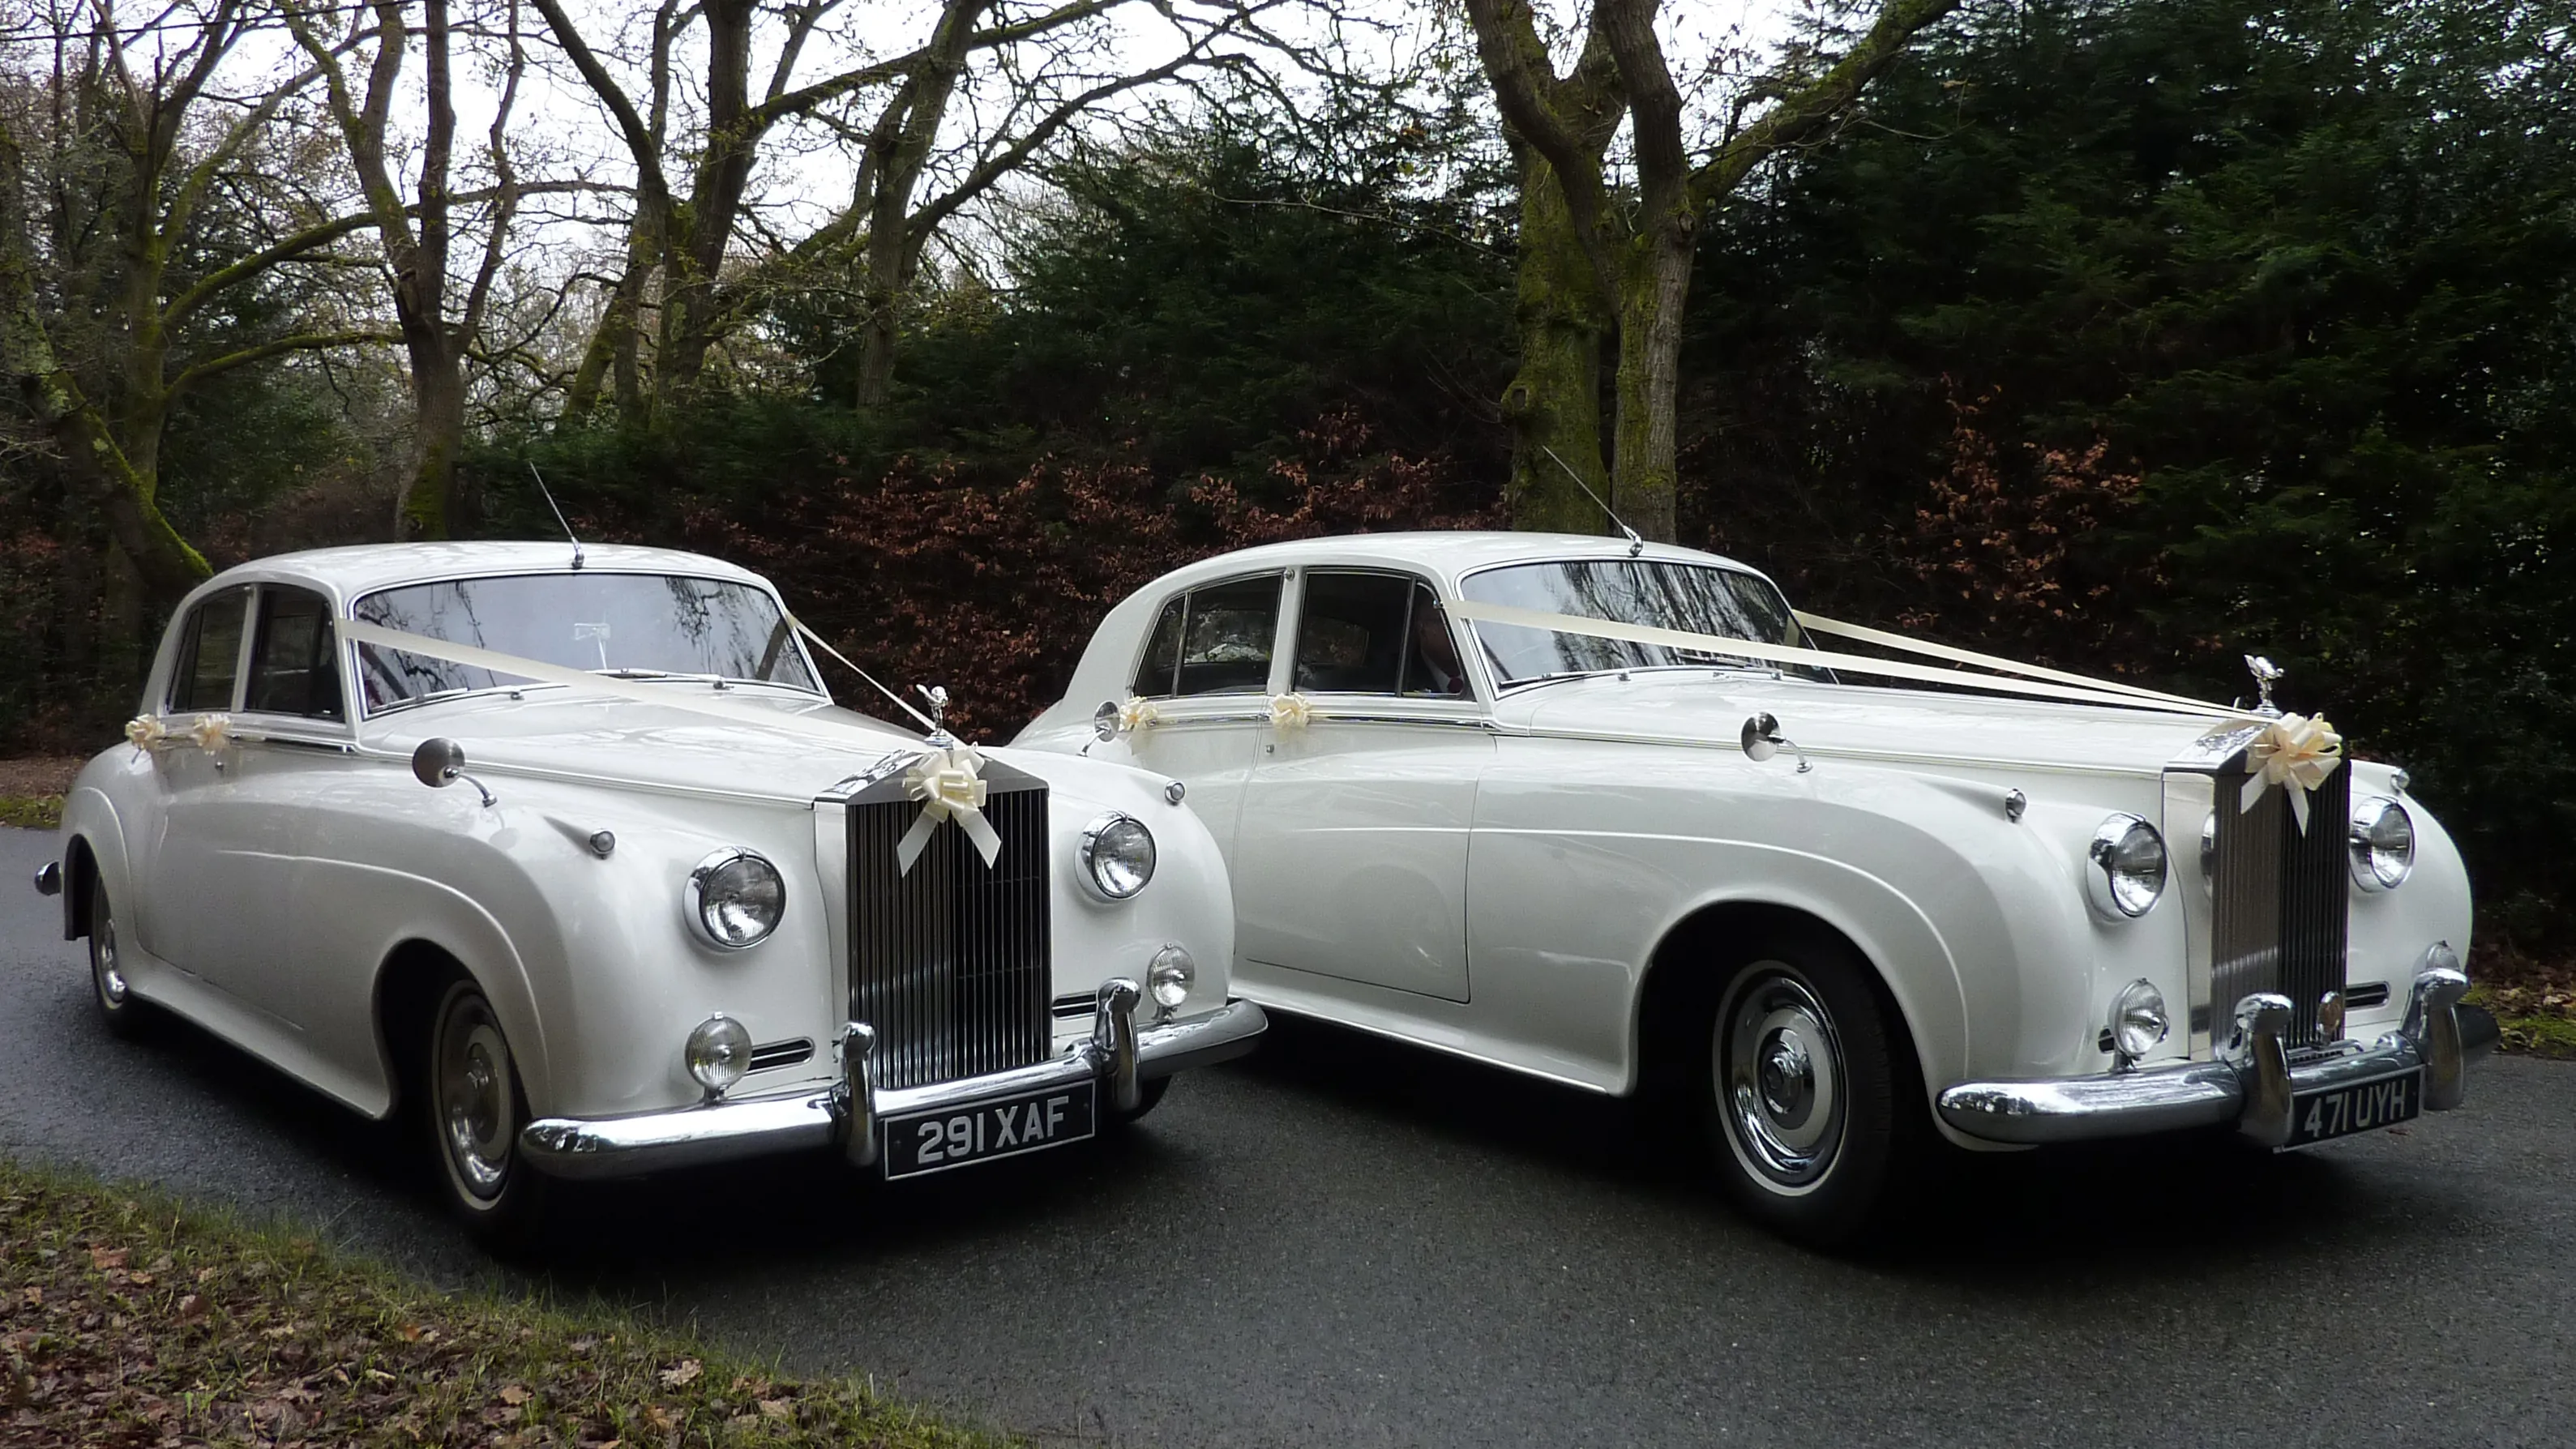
(2126, 335)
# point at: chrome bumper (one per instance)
(1119, 1055)
(2250, 1085)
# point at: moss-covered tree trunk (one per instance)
(1553, 403)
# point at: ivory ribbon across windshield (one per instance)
(2078, 688)
(538, 671)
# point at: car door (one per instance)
(190, 913)
(292, 829)
(1351, 856)
(1206, 669)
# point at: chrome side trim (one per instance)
(2252, 1084)
(847, 1113)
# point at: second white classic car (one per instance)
(665, 904)
(1599, 812)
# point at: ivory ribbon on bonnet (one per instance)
(944, 779)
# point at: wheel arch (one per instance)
(1685, 972)
(405, 994)
(80, 885)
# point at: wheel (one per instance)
(119, 1010)
(476, 1108)
(1807, 1092)
(1148, 1095)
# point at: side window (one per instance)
(209, 654)
(1431, 667)
(1351, 636)
(1158, 674)
(292, 670)
(1215, 640)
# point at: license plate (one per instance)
(2360, 1107)
(937, 1141)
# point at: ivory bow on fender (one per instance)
(948, 786)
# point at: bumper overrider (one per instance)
(2252, 1084)
(1119, 1056)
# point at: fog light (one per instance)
(1171, 976)
(718, 1053)
(2138, 1019)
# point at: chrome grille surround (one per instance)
(2279, 907)
(950, 961)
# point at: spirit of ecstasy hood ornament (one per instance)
(2266, 674)
(936, 698)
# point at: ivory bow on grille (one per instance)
(948, 786)
(2295, 752)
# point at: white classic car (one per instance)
(683, 909)
(1612, 815)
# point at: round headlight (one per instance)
(2124, 867)
(1170, 977)
(2138, 1019)
(718, 1052)
(1117, 855)
(735, 899)
(2383, 843)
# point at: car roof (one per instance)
(350, 572)
(1450, 556)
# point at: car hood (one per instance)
(1897, 724)
(624, 741)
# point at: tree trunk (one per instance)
(429, 506)
(1553, 404)
(1654, 282)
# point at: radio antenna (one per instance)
(549, 495)
(1636, 545)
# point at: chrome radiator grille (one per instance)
(949, 962)
(2279, 901)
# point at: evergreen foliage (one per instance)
(2300, 276)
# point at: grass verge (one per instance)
(128, 1319)
(2531, 1018)
(31, 812)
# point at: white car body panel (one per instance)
(271, 893)
(1587, 820)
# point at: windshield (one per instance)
(1695, 598)
(635, 624)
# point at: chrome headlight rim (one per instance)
(2382, 855)
(2114, 883)
(700, 908)
(1097, 860)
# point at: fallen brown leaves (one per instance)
(228, 1335)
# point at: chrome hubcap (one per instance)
(1780, 1076)
(474, 1105)
(111, 982)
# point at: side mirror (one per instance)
(1104, 721)
(1762, 739)
(440, 762)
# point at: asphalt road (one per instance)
(1339, 1242)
